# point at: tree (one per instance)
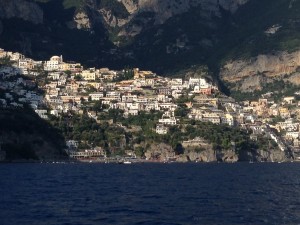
(139, 151)
(179, 149)
(181, 111)
(82, 100)
(97, 107)
(115, 114)
(78, 77)
(68, 73)
(5, 61)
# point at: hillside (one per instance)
(133, 112)
(25, 136)
(163, 36)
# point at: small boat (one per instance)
(124, 162)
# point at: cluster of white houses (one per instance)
(70, 86)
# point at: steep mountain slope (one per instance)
(164, 36)
(262, 47)
(50, 32)
(23, 134)
(158, 12)
(111, 31)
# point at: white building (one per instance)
(200, 82)
(176, 82)
(53, 64)
(96, 96)
(72, 144)
(42, 113)
(25, 64)
(54, 75)
(168, 121)
(54, 112)
(292, 135)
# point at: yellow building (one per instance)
(284, 112)
(89, 74)
(141, 74)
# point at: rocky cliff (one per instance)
(205, 153)
(251, 73)
(110, 33)
(158, 12)
(163, 36)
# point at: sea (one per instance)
(150, 194)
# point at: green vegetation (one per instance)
(115, 133)
(182, 111)
(90, 133)
(5, 61)
(146, 121)
(276, 120)
(127, 74)
(26, 136)
(221, 136)
(278, 88)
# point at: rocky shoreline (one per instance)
(134, 161)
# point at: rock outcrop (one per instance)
(161, 11)
(82, 21)
(202, 151)
(159, 152)
(271, 156)
(249, 72)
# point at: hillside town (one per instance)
(69, 87)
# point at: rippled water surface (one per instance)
(150, 194)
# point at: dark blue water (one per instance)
(150, 194)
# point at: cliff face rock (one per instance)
(142, 13)
(198, 150)
(165, 9)
(25, 10)
(206, 156)
(271, 156)
(294, 78)
(82, 21)
(111, 20)
(161, 11)
(271, 66)
(112, 24)
(227, 156)
(159, 152)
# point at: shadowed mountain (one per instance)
(163, 36)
